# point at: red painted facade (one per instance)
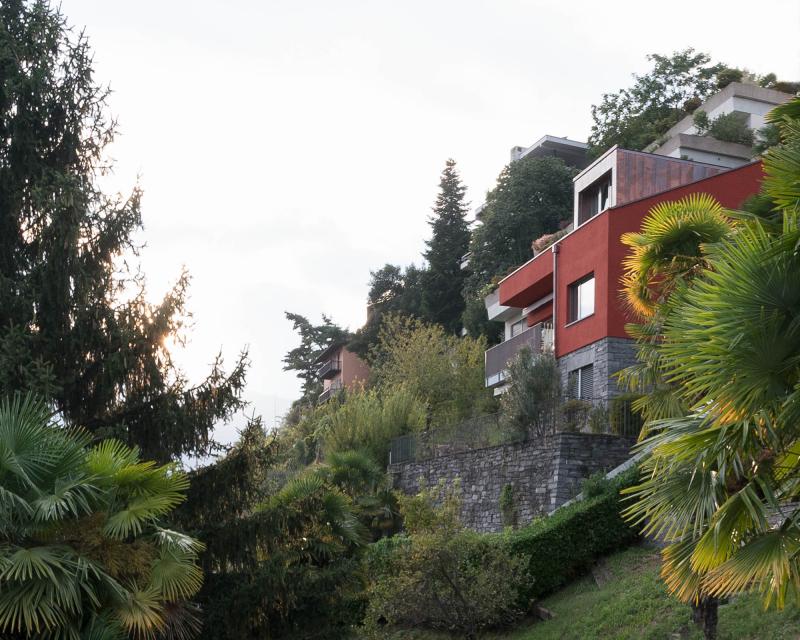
(595, 247)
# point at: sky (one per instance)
(287, 148)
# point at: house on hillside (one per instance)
(339, 369)
(566, 299)
(748, 103)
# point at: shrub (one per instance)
(508, 508)
(574, 414)
(368, 421)
(528, 405)
(595, 485)
(598, 419)
(728, 75)
(623, 419)
(732, 127)
(728, 127)
(441, 576)
(444, 370)
(566, 544)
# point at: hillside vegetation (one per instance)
(631, 603)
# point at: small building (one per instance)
(566, 299)
(340, 369)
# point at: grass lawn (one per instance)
(633, 605)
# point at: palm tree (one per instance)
(667, 253)
(722, 482)
(82, 554)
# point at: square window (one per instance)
(518, 327)
(580, 383)
(580, 299)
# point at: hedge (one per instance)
(566, 544)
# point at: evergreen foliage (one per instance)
(441, 576)
(442, 282)
(533, 197)
(278, 564)
(566, 544)
(532, 398)
(720, 486)
(75, 323)
(392, 291)
(82, 550)
(368, 420)
(314, 339)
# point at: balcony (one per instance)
(329, 368)
(331, 391)
(538, 338)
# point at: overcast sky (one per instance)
(286, 148)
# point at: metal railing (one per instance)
(538, 338)
(564, 415)
(328, 393)
(329, 367)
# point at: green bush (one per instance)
(534, 388)
(508, 508)
(574, 415)
(368, 421)
(623, 419)
(567, 543)
(728, 127)
(460, 582)
(441, 576)
(595, 485)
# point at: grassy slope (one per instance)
(633, 605)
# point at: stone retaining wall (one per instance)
(543, 474)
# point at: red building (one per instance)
(567, 298)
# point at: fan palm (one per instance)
(81, 551)
(723, 481)
(668, 251)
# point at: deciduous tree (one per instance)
(636, 116)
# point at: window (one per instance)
(518, 327)
(581, 299)
(580, 383)
(595, 198)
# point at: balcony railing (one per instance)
(331, 391)
(538, 338)
(329, 368)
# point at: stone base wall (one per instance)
(608, 355)
(543, 474)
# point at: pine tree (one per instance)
(442, 301)
(75, 323)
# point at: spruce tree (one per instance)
(442, 301)
(75, 323)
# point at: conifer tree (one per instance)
(314, 339)
(442, 301)
(75, 322)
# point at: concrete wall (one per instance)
(543, 473)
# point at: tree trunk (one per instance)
(705, 615)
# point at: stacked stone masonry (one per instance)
(544, 474)
(608, 356)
